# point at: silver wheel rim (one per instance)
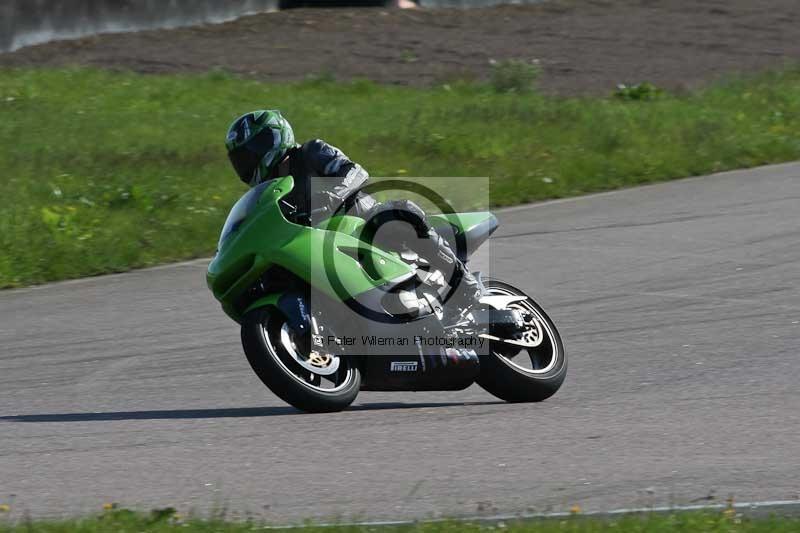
(316, 362)
(306, 374)
(545, 336)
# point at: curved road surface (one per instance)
(679, 304)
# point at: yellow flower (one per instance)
(575, 509)
(109, 506)
(4, 508)
(730, 510)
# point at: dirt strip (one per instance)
(584, 46)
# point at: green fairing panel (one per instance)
(328, 261)
(474, 227)
(323, 258)
(346, 224)
(269, 300)
(463, 221)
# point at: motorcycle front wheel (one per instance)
(524, 374)
(285, 362)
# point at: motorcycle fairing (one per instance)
(261, 237)
(474, 228)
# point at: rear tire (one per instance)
(512, 382)
(264, 341)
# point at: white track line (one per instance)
(101, 277)
(623, 190)
(743, 506)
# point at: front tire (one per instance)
(282, 361)
(505, 373)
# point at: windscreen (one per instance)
(240, 211)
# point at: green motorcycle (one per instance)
(326, 312)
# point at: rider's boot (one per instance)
(464, 288)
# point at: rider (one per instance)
(261, 147)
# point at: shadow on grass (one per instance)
(238, 412)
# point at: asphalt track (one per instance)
(679, 304)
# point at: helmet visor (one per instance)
(264, 141)
(244, 162)
(245, 158)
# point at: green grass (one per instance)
(102, 172)
(166, 522)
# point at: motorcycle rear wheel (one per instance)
(283, 361)
(506, 374)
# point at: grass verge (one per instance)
(102, 172)
(165, 521)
